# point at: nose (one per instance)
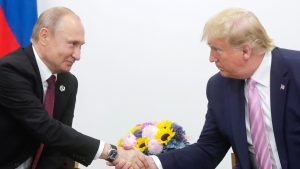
(76, 53)
(212, 57)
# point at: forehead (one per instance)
(70, 27)
(219, 42)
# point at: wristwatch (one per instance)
(112, 153)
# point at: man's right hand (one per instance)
(129, 158)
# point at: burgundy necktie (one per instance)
(257, 127)
(49, 105)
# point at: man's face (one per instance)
(229, 60)
(64, 45)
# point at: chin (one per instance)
(224, 74)
(65, 70)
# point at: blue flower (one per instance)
(138, 133)
(180, 133)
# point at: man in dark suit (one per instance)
(24, 122)
(256, 92)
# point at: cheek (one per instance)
(239, 62)
(65, 53)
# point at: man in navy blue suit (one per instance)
(241, 49)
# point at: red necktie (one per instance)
(257, 127)
(49, 105)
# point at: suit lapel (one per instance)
(279, 86)
(38, 81)
(60, 95)
(236, 109)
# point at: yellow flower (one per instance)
(164, 135)
(142, 143)
(135, 128)
(164, 124)
(120, 142)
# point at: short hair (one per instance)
(50, 19)
(238, 27)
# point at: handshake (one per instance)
(127, 158)
(145, 139)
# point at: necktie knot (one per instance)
(251, 83)
(51, 81)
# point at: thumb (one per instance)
(109, 164)
(128, 147)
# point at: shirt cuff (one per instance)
(157, 162)
(100, 149)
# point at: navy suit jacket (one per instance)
(225, 119)
(24, 123)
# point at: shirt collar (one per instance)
(262, 73)
(44, 70)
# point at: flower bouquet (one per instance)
(154, 138)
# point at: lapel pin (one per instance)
(62, 88)
(282, 87)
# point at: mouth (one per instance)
(69, 63)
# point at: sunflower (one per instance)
(120, 142)
(142, 143)
(164, 124)
(164, 135)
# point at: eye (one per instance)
(217, 50)
(70, 44)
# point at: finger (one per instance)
(139, 164)
(120, 164)
(127, 165)
(136, 166)
(143, 160)
(109, 164)
(127, 147)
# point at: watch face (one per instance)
(112, 155)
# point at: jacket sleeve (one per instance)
(19, 100)
(207, 152)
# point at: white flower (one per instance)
(149, 131)
(129, 140)
(154, 147)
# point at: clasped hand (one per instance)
(129, 158)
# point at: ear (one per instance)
(247, 52)
(44, 36)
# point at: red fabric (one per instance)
(8, 41)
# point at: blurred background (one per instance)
(144, 61)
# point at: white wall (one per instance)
(144, 61)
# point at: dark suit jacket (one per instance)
(24, 123)
(63, 111)
(225, 119)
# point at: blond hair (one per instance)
(50, 19)
(238, 27)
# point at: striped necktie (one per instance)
(257, 127)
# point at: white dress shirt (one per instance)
(262, 77)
